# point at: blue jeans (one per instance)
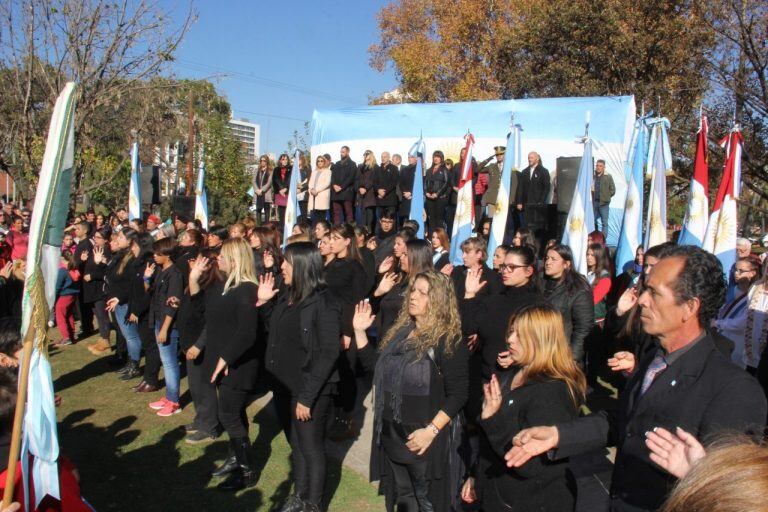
(130, 332)
(601, 212)
(169, 356)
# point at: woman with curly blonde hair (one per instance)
(421, 381)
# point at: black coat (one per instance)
(279, 183)
(347, 280)
(437, 182)
(494, 286)
(405, 184)
(578, 310)
(702, 392)
(93, 289)
(231, 324)
(343, 173)
(385, 177)
(540, 484)
(365, 179)
(533, 189)
(320, 331)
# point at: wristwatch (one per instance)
(433, 428)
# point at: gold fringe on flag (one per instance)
(39, 319)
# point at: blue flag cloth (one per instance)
(581, 216)
(292, 206)
(511, 164)
(201, 197)
(417, 190)
(631, 234)
(134, 189)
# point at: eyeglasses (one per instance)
(742, 270)
(510, 268)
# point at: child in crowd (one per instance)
(67, 289)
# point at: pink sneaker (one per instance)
(159, 404)
(170, 409)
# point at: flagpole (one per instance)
(18, 417)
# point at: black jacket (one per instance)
(533, 188)
(320, 330)
(343, 173)
(385, 177)
(347, 281)
(93, 289)
(365, 179)
(540, 484)
(494, 286)
(279, 183)
(702, 392)
(437, 181)
(231, 324)
(405, 184)
(578, 310)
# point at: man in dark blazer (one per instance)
(343, 174)
(385, 186)
(82, 252)
(685, 382)
(532, 188)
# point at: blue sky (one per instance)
(319, 48)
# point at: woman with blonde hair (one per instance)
(231, 323)
(319, 202)
(547, 387)
(421, 376)
(366, 195)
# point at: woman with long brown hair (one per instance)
(420, 374)
(546, 388)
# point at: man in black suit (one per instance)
(82, 252)
(685, 382)
(532, 187)
(343, 175)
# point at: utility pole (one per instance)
(190, 142)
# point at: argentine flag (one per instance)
(631, 235)
(462, 223)
(134, 189)
(511, 164)
(656, 220)
(417, 190)
(292, 207)
(201, 197)
(581, 216)
(721, 230)
(696, 214)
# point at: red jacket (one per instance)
(71, 501)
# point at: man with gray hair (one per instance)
(532, 187)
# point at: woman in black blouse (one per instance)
(302, 350)
(546, 387)
(94, 293)
(231, 324)
(421, 380)
(437, 190)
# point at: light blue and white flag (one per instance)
(292, 206)
(417, 190)
(631, 234)
(46, 230)
(656, 220)
(134, 189)
(697, 212)
(511, 164)
(581, 216)
(463, 220)
(201, 197)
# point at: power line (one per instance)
(268, 115)
(268, 82)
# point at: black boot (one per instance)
(293, 504)
(228, 466)
(132, 372)
(310, 507)
(421, 492)
(245, 475)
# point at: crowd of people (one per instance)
(481, 373)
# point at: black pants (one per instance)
(281, 216)
(435, 209)
(303, 209)
(369, 218)
(152, 363)
(410, 485)
(203, 396)
(102, 317)
(319, 215)
(86, 315)
(450, 214)
(232, 405)
(307, 440)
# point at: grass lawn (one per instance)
(132, 460)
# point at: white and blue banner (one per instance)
(463, 220)
(656, 223)
(201, 197)
(631, 235)
(134, 189)
(292, 206)
(551, 124)
(511, 164)
(581, 217)
(697, 211)
(417, 190)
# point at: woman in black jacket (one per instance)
(421, 380)
(231, 324)
(569, 292)
(281, 180)
(545, 388)
(93, 288)
(437, 189)
(303, 347)
(365, 184)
